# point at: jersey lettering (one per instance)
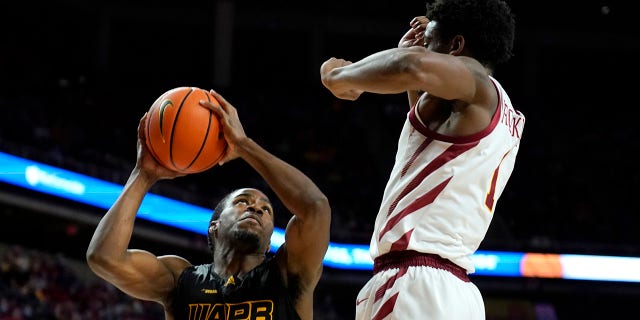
(249, 310)
(513, 120)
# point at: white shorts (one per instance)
(419, 286)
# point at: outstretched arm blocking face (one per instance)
(399, 70)
(423, 62)
(136, 272)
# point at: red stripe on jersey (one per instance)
(402, 243)
(490, 200)
(415, 155)
(451, 153)
(420, 202)
(389, 283)
(386, 308)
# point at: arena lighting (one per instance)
(77, 187)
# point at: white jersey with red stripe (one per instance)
(442, 191)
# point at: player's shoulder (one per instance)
(174, 263)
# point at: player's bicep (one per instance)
(145, 276)
(445, 76)
(307, 239)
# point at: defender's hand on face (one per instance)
(415, 35)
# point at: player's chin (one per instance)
(249, 228)
(248, 237)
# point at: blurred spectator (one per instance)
(36, 285)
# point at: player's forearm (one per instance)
(112, 235)
(385, 72)
(297, 192)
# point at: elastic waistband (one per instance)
(410, 258)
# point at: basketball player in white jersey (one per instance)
(455, 154)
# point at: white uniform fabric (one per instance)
(416, 293)
(440, 199)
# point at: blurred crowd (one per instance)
(37, 285)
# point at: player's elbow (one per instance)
(94, 259)
(322, 209)
(322, 205)
(99, 262)
(338, 83)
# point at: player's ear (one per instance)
(213, 227)
(457, 45)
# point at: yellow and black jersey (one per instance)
(201, 294)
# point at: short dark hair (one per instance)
(488, 27)
(215, 215)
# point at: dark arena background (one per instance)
(76, 76)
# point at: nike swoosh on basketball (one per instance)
(165, 104)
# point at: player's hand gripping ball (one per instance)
(183, 135)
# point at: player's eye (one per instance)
(241, 201)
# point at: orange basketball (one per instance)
(183, 135)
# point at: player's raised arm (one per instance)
(136, 272)
(307, 233)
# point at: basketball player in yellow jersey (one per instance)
(455, 154)
(244, 280)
